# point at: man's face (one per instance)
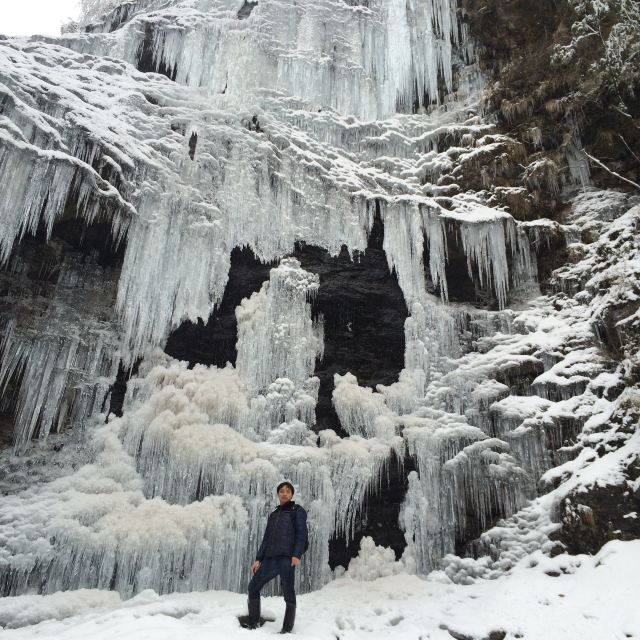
(285, 494)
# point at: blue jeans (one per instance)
(270, 568)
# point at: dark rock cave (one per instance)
(363, 312)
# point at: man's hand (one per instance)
(295, 561)
(255, 566)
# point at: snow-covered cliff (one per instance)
(138, 155)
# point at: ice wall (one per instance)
(368, 59)
(185, 479)
(296, 122)
(259, 177)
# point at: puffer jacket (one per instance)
(285, 534)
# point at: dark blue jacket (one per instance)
(285, 534)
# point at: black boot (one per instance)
(253, 620)
(289, 618)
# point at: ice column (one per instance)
(276, 336)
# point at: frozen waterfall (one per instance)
(188, 128)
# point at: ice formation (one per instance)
(63, 358)
(366, 59)
(373, 562)
(195, 458)
(291, 122)
(460, 472)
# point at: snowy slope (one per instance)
(565, 598)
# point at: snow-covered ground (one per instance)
(561, 598)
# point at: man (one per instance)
(284, 542)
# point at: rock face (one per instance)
(363, 314)
(277, 239)
(602, 514)
(562, 87)
(592, 516)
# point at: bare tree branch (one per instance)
(629, 149)
(613, 173)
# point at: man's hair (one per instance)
(286, 484)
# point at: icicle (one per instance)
(357, 465)
(497, 250)
(529, 445)
(62, 363)
(486, 236)
(403, 245)
(39, 183)
(365, 61)
(421, 38)
(181, 250)
(428, 515)
(487, 478)
(459, 468)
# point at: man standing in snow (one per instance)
(284, 542)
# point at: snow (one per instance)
(564, 598)
(24, 611)
(608, 470)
